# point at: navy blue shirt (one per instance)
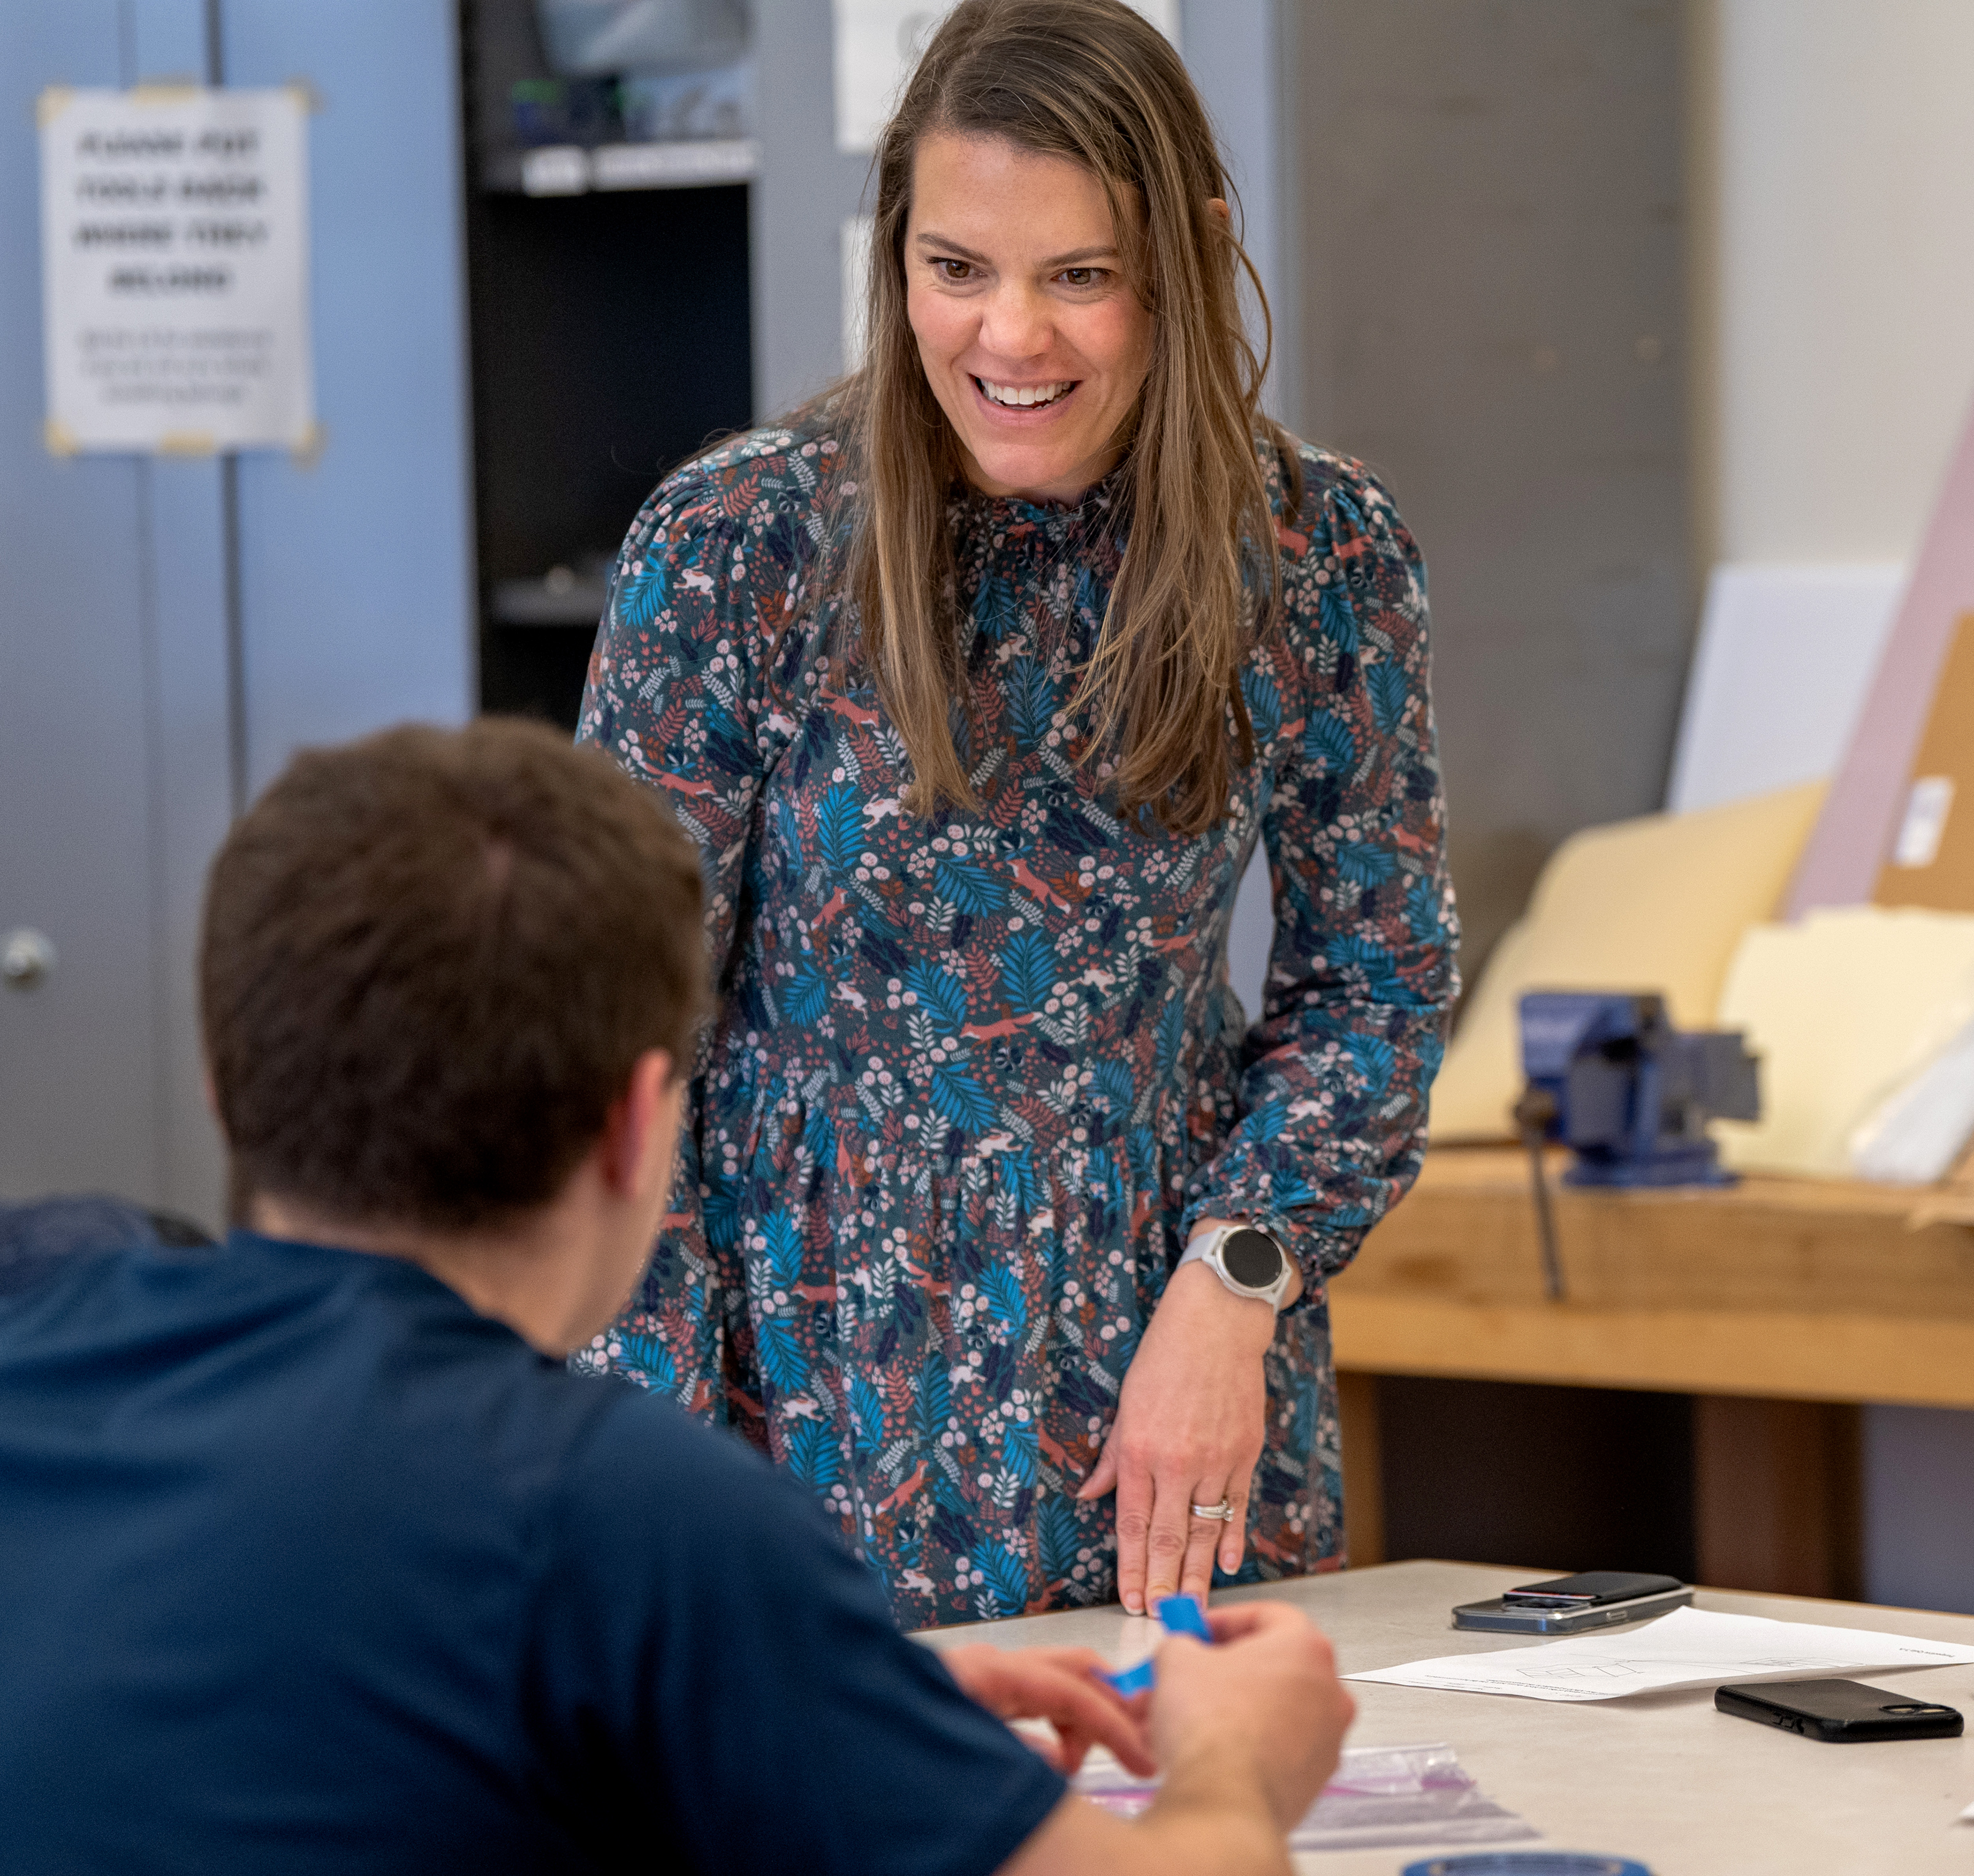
(305, 1566)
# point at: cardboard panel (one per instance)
(1861, 819)
(1931, 859)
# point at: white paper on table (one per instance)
(1689, 1648)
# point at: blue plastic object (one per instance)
(1526, 1863)
(1133, 1680)
(1181, 1615)
(1177, 1615)
(1610, 1077)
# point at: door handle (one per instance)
(27, 957)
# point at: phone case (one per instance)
(1839, 1712)
(1589, 1588)
(1502, 1618)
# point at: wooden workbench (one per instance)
(1780, 1304)
(1799, 1289)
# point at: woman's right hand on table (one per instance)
(1190, 1421)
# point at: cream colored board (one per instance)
(1842, 1009)
(1655, 904)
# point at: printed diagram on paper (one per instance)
(1690, 1647)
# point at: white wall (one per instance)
(1833, 286)
(1838, 270)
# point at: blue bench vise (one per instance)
(1610, 1078)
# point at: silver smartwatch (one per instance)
(1247, 1259)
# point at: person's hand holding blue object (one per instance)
(1053, 1684)
(1178, 1615)
(1262, 1691)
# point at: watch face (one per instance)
(1253, 1259)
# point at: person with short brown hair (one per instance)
(318, 1558)
(542, 935)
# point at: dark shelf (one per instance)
(612, 339)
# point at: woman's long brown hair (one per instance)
(1090, 80)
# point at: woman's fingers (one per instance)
(1203, 1542)
(1169, 1535)
(1134, 1531)
(1233, 1532)
(1103, 1478)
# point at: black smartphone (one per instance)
(1592, 1598)
(1839, 1711)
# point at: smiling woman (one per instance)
(1031, 336)
(978, 680)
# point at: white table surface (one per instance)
(1661, 1778)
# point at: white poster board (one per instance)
(175, 270)
(879, 41)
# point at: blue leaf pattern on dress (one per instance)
(974, 889)
(1364, 863)
(1031, 702)
(1058, 1534)
(1389, 688)
(940, 994)
(781, 1361)
(1327, 743)
(1010, 1308)
(1339, 622)
(813, 1455)
(839, 828)
(866, 1405)
(961, 1098)
(1021, 1450)
(1027, 971)
(782, 1247)
(1007, 1580)
(972, 1077)
(1264, 703)
(807, 995)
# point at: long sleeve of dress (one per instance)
(683, 693)
(1329, 1116)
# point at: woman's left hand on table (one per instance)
(1189, 1428)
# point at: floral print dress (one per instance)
(972, 1076)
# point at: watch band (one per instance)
(1210, 1248)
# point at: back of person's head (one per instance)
(430, 960)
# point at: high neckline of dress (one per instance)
(1055, 520)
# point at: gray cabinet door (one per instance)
(353, 585)
(109, 568)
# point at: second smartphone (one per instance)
(1839, 1711)
(1593, 1598)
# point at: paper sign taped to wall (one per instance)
(175, 268)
